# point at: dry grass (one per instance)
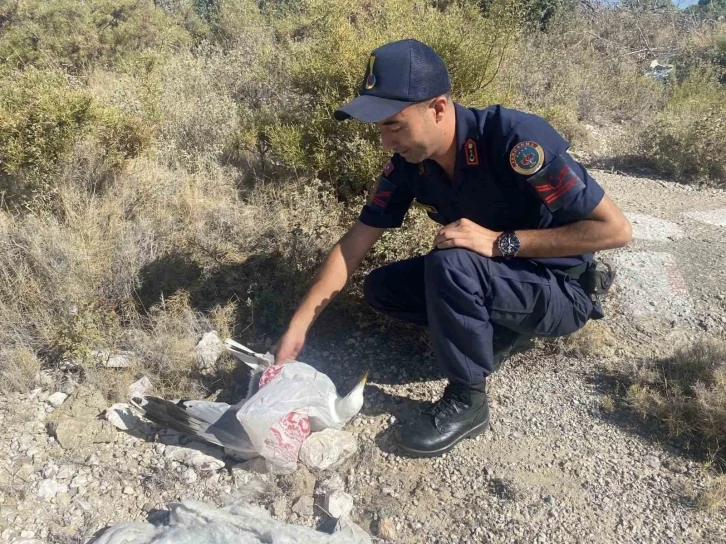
(88, 277)
(685, 393)
(714, 497)
(595, 339)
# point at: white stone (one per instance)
(47, 489)
(63, 500)
(338, 504)
(646, 227)
(122, 417)
(334, 482)
(114, 360)
(209, 349)
(710, 217)
(201, 456)
(328, 448)
(65, 472)
(304, 506)
(189, 476)
(81, 480)
(34, 393)
(139, 387)
(56, 399)
(346, 528)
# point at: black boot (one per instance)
(462, 412)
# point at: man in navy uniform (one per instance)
(520, 221)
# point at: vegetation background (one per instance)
(172, 166)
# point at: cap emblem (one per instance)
(371, 79)
(526, 158)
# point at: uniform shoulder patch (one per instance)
(381, 196)
(555, 182)
(526, 158)
(388, 168)
(472, 153)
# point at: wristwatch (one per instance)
(508, 244)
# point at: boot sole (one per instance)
(476, 431)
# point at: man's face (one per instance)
(411, 133)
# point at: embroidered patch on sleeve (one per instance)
(381, 196)
(556, 181)
(526, 158)
(388, 168)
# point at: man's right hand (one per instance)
(289, 346)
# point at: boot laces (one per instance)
(453, 401)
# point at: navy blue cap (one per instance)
(398, 74)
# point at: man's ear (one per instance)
(439, 104)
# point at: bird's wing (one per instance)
(256, 361)
(214, 422)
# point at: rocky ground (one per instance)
(561, 463)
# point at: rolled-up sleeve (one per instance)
(391, 198)
(564, 187)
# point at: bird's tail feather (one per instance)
(175, 416)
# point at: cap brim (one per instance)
(370, 109)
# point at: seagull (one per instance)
(274, 392)
(335, 411)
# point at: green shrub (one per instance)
(42, 115)
(685, 141)
(324, 47)
(71, 35)
(92, 327)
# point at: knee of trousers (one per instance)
(374, 288)
(455, 268)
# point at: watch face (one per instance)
(509, 244)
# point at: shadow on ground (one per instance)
(267, 288)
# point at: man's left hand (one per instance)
(466, 234)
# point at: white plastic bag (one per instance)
(286, 402)
(291, 400)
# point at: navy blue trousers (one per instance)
(463, 297)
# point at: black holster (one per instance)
(596, 278)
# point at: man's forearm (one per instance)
(587, 236)
(329, 281)
(338, 267)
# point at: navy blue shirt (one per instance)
(512, 172)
